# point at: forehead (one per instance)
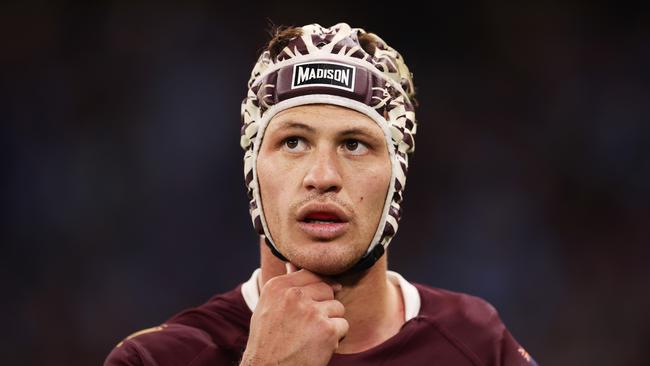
(324, 118)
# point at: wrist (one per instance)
(249, 359)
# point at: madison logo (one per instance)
(329, 74)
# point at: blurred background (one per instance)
(122, 181)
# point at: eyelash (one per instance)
(358, 143)
(286, 141)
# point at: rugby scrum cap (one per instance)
(331, 66)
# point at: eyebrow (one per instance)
(354, 131)
(292, 124)
(359, 131)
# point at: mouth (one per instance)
(321, 218)
(323, 222)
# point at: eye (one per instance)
(294, 144)
(355, 147)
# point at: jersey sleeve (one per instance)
(167, 345)
(513, 354)
(492, 342)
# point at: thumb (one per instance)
(290, 267)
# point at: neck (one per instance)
(373, 305)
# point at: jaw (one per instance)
(325, 257)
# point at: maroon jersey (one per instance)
(449, 329)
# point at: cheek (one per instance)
(373, 189)
(274, 176)
(268, 184)
(380, 190)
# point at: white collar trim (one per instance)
(410, 294)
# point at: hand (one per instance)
(296, 321)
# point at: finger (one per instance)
(318, 291)
(341, 326)
(304, 277)
(332, 308)
(296, 280)
(290, 267)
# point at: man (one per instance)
(328, 124)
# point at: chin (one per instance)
(325, 269)
(325, 259)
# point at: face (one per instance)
(324, 172)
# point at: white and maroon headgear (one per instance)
(330, 66)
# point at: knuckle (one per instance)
(328, 328)
(295, 293)
(313, 314)
(326, 289)
(273, 284)
(346, 325)
(339, 308)
(292, 297)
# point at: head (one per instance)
(328, 124)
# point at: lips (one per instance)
(326, 217)
(323, 222)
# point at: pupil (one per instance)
(352, 145)
(292, 143)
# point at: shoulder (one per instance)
(167, 344)
(222, 315)
(455, 309)
(463, 318)
(212, 333)
(472, 325)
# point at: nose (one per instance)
(323, 174)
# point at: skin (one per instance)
(321, 158)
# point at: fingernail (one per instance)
(337, 287)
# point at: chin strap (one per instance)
(274, 251)
(367, 260)
(363, 264)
